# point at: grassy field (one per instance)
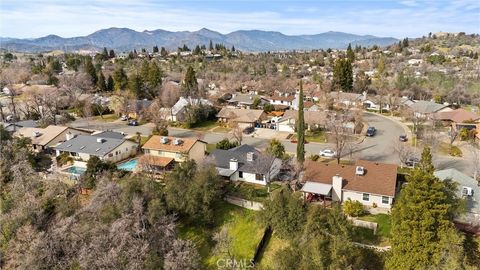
(244, 229)
(274, 244)
(313, 136)
(251, 191)
(211, 147)
(107, 118)
(206, 125)
(382, 238)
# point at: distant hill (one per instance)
(124, 39)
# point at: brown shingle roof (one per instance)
(457, 116)
(242, 115)
(379, 178)
(310, 117)
(155, 161)
(154, 143)
(288, 98)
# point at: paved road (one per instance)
(380, 148)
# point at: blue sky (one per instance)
(407, 18)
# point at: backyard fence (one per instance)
(252, 205)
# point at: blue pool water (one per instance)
(129, 165)
(75, 170)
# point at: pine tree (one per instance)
(350, 53)
(101, 84)
(155, 49)
(110, 83)
(300, 128)
(343, 75)
(210, 46)
(90, 70)
(155, 74)
(197, 50)
(163, 52)
(111, 54)
(423, 234)
(105, 53)
(190, 84)
(233, 48)
(135, 85)
(120, 79)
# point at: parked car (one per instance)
(249, 130)
(124, 118)
(132, 123)
(371, 131)
(412, 162)
(327, 153)
(403, 138)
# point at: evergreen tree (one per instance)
(163, 52)
(155, 74)
(101, 84)
(405, 42)
(210, 46)
(197, 50)
(300, 128)
(135, 85)
(110, 83)
(155, 49)
(190, 84)
(423, 234)
(90, 70)
(105, 53)
(233, 48)
(144, 70)
(350, 53)
(111, 54)
(120, 79)
(343, 75)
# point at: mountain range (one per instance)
(125, 39)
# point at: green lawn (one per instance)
(273, 245)
(364, 235)
(107, 118)
(384, 223)
(244, 230)
(250, 191)
(211, 147)
(221, 129)
(312, 136)
(205, 125)
(452, 150)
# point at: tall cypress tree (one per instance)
(90, 70)
(110, 83)
(101, 84)
(350, 53)
(190, 84)
(300, 128)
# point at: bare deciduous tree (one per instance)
(336, 125)
(75, 85)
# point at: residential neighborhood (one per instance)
(249, 149)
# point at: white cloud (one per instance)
(412, 18)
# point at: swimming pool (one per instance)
(128, 165)
(75, 170)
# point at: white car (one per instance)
(327, 153)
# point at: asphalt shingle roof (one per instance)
(221, 159)
(90, 145)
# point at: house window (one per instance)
(110, 155)
(259, 177)
(385, 200)
(366, 197)
(240, 174)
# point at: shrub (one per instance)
(63, 159)
(314, 157)
(455, 151)
(353, 208)
(225, 144)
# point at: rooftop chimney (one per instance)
(250, 156)
(337, 185)
(164, 140)
(100, 140)
(359, 170)
(233, 164)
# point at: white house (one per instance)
(371, 183)
(245, 163)
(177, 112)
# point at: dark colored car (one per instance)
(132, 123)
(248, 130)
(412, 162)
(371, 131)
(403, 138)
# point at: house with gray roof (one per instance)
(245, 163)
(246, 100)
(177, 112)
(468, 189)
(82, 147)
(426, 109)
